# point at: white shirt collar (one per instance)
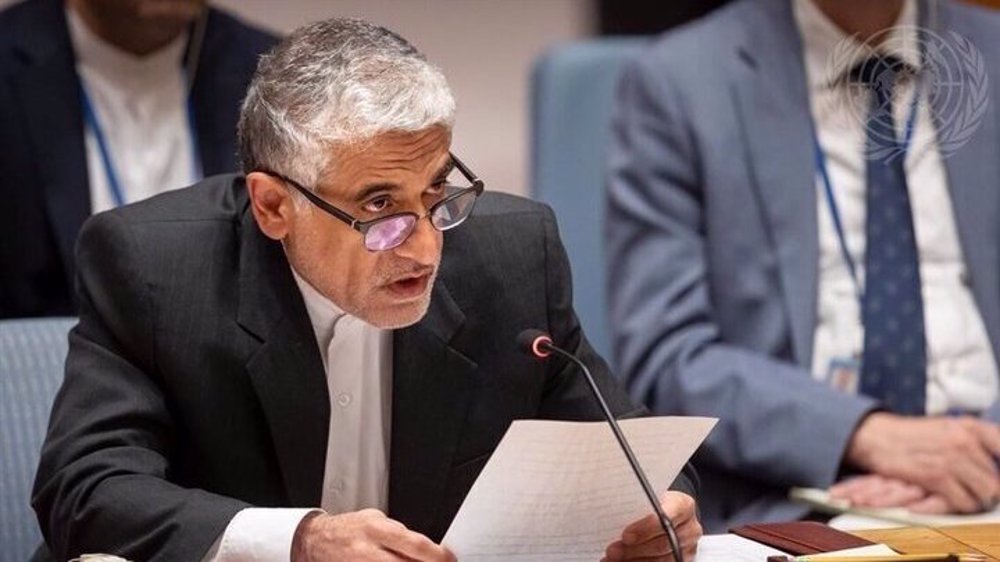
(821, 38)
(323, 313)
(131, 71)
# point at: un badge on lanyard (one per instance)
(843, 374)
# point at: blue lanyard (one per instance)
(114, 183)
(831, 201)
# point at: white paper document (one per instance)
(732, 548)
(861, 551)
(565, 491)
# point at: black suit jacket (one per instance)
(194, 386)
(45, 188)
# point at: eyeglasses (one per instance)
(386, 233)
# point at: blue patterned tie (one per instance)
(894, 364)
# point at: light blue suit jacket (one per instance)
(713, 248)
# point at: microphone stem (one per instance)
(616, 429)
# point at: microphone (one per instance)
(539, 345)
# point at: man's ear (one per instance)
(271, 203)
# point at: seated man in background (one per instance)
(252, 348)
(105, 102)
(769, 264)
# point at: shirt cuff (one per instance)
(258, 534)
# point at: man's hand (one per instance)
(362, 535)
(872, 490)
(953, 458)
(645, 540)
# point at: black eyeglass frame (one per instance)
(364, 226)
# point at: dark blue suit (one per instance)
(44, 184)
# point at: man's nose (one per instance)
(423, 246)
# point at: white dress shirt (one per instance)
(357, 358)
(961, 370)
(141, 108)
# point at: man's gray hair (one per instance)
(332, 82)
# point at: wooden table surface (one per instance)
(982, 538)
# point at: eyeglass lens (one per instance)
(451, 212)
(393, 231)
(390, 232)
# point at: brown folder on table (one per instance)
(800, 537)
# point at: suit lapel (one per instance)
(432, 384)
(215, 137)
(286, 370)
(432, 387)
(973, 172)
(216, 79)
(49, 94)
(773, 103)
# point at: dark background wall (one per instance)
(643, 17)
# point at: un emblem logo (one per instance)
(951, 80)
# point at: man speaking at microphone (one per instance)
(315, 360)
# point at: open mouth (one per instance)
(410, 287)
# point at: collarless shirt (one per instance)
(357, 363)
(961, 369)
(140, 105)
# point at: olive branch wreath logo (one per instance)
(952, 79)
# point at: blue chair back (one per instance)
(32, 358)
(573, 91)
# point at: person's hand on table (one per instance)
(645, 540)
(362, 535)
(875, 491)
(953, 458)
